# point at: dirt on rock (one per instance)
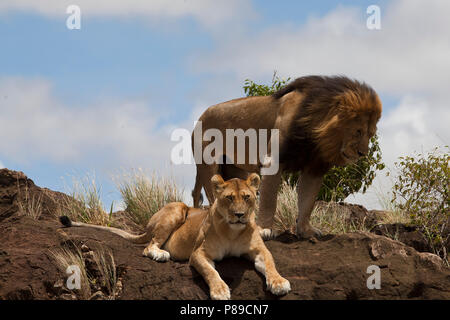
(335, 267)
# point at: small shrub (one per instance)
(422, 190)
(252, 89)
(144, 196)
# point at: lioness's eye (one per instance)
(246, 197)
(230, 197)
(359, 133)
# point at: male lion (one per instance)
(228, 228)
(322, 121)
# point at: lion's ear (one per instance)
(254, 181)
(217, 183)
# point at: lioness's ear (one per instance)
(253, 180)
(217, 182)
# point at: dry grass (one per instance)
(31, 205)
(144, 195)
(87, 207)
(329, 218)
(64, 258)
(106, 265)
(393, 214)
(286, 214)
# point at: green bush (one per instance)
(422, 190)
(339, 182)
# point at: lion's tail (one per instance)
(143, 238)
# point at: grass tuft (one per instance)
(330, 218)
(66, 257)
(144, 195)
(31, 206)
(85, 205)
(104, 260)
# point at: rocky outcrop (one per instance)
(333, 268)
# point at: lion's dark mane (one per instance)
(300, 150)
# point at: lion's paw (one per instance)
(157, 255)
(279, 286)
(309, 232)
(220, 291)
(268, 234)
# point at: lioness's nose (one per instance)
(239, 214)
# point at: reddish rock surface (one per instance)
(332, 268)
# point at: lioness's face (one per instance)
(356, 137)
(236, 199)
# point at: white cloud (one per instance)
(206, 11)
(416, 124)
(410, 53)
(35, 125)
(104, 137)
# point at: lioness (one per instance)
(228, 228)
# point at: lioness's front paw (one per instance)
(220, 291)
(157, 254)
(268, 234)
(278, 286)
(308, 231)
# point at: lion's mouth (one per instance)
(238, 222)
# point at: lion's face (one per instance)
(356, 135)
(236, 199)
(344, 136)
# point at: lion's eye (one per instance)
(246, 197)
(229, 197)
(359, 133)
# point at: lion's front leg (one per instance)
(307, 189)
(218, 289)
(268, 204)
(265, 264)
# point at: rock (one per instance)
(353, 214)
(333, 267)
(119, 287)
(67, 296)
(16, 187)
(409, 235)
(58, 287)
(98, 296)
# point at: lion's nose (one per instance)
(239, 214)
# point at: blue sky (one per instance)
(167, 65)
